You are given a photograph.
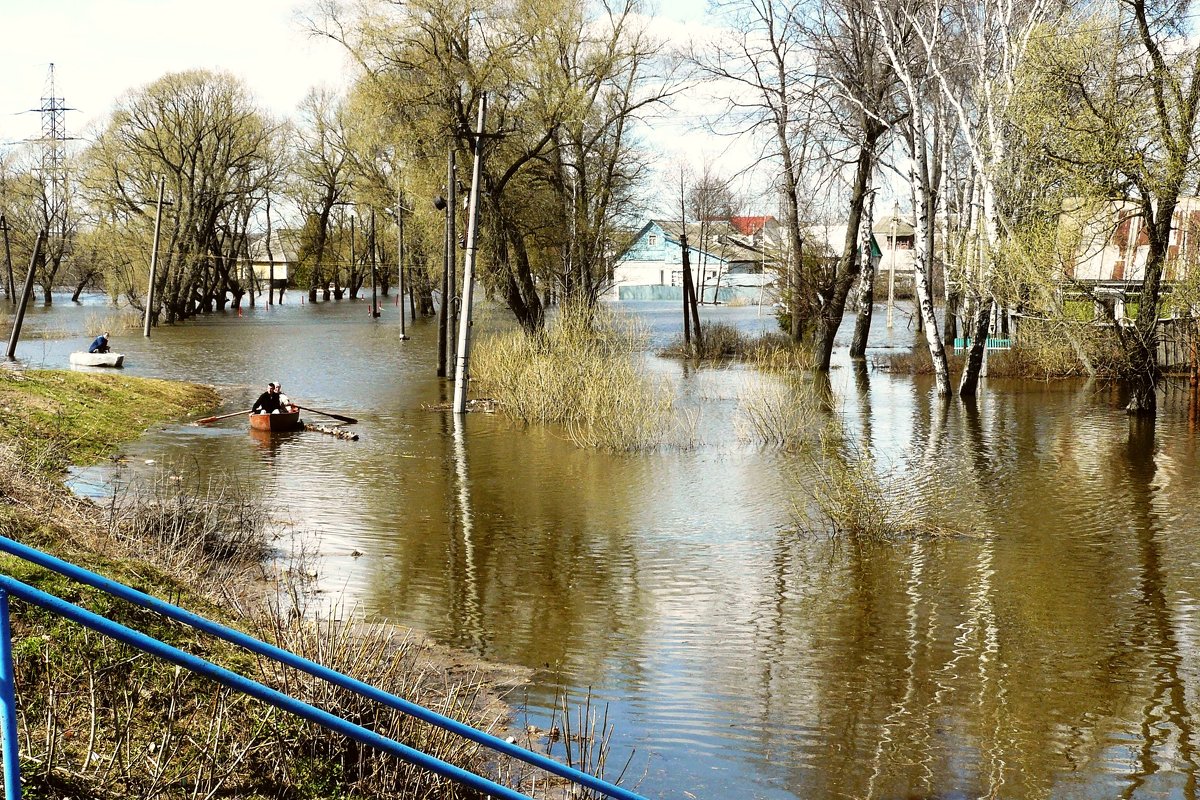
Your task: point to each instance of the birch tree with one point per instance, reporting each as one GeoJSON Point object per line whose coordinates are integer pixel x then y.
{"type": "Point", "coordinates": [984, 42]}
{"type": "Point", "coordinates": [922, 132]}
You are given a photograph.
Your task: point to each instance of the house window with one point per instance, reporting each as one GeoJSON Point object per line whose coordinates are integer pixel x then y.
{"type": "Point", "coordinates": [652, 240]}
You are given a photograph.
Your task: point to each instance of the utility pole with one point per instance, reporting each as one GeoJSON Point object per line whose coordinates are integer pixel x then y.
{"type": "Point", "coordinates": [270, 257]}
{"type": "Point", "coordinates": [374, 288]}
{"type": "Point", "coordinates": [452, 299]}
{"type": "Point", "coordinates": [439, 203]}
{"type": "Point", "coordinates": [12, 289]}
{"type": "Point", "coordinates": [892, 269]}
{"type": "Point", "coordinates": [400, 256]}
{"type": "Point", "coordinates": [20, 318]}
{"type": "Point", "coordinates": [162, 182]}
{"type": "Point", "coordinates": [464, 326]}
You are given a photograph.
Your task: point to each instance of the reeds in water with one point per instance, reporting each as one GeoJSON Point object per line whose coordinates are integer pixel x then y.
{"type": "Point", "coordinates": [583, 371]}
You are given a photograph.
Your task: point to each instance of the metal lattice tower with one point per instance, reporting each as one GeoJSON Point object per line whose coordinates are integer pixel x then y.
{"type": "Point", "coordinates": [53, 165]}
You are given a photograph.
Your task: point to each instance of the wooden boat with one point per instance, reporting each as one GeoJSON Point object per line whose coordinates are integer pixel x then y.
{"type": "Point", "coordinates": [283, 421]}
{"type": "Point", "coordinates": [82, 359]}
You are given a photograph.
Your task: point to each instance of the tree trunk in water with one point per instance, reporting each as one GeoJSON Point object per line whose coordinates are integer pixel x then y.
{"type": "Point", "coordinates": [979, 331]}
{"type": "Point", "coordinates": [689, 290]}
{"type": "Point", "coordinates": [1143, 397]}
{"type": "Point", "coordinates": [866, 284]}
{"type": "Point", "coordinates": [834, 307]}
{"type": "Point", "coordinates": [924, 180]}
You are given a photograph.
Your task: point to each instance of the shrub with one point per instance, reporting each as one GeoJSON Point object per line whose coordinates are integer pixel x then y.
{"type": "Point", "coordinates": [584, 372]}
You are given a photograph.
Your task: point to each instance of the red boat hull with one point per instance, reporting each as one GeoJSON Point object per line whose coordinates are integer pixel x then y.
{"type": "Point", "coordinates": [283, 421]}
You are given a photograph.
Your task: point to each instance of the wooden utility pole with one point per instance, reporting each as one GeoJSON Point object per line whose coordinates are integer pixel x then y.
{"type": "Point", "coordinates": [12, 289]}
{"type": "Point", "coordinates": [162, 184]}
{"type": "Point", "coordinates": [464, 327]}
{"type": "Point", "coordinates": [270, 259]}
{"type": "Point", "coordinates": [374, 288]}
{"type": "Point", "coordinates": [20, 317]}
{"type": "Point", "coordinates": [400, 256]}
{"type": "Point", "coordinates": [444, 311]}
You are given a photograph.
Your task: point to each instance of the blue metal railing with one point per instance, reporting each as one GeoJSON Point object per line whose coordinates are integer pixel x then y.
{"type": "Point", "coordinates": [9, 586]}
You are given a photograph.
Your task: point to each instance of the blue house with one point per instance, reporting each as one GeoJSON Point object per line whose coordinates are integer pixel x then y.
{"type": "Point", "coordinates": [725, 261]}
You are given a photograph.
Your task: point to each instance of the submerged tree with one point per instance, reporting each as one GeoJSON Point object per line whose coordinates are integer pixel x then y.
{"type": "Point", "coordinates": [565, 82]}
{"type": "Point", "coordinates": [202, 132]}
{"type": "Point", "coordinates": [1114, 104]}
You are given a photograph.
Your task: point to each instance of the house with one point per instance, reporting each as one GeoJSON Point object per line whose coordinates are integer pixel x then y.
{"type": "Point", "coordinates": [285, 245]}
{"type": "Point", "coordinates": [1105, 243]}
{"type": "Point", "coordinates": [896, 238]}
{"type": "Point", "coordinates": [728, 259]}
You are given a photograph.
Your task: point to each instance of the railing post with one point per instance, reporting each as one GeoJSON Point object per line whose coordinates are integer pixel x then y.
{"type": "Point", "coordinates": [8, 707]}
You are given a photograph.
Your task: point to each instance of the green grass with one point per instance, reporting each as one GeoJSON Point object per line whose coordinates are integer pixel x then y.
{"type": "Point", "coordinates": [100, 720]}
{"type": "Point", "coordinates": [76, 417]}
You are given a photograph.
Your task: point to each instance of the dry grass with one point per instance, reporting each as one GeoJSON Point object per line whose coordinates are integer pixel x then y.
{"type": "Point", "coordinates": [772, 352]}
{"type": "Point", "coordinates": [846, 492]}
{"type": "Point", "coordinates": [1045, 350]}
{"type": "Point", "coordinates": [212, 533]}
{"type": "Point", "coordinates": [782, 413]}
{"type": "Point", "coordinates": [584, 372]}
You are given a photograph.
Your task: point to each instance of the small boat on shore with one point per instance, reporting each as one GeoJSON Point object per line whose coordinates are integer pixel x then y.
{"type": "Point", "coordinates": [82, 359]}
{"type": "Point", "coordinates": [283, 421]}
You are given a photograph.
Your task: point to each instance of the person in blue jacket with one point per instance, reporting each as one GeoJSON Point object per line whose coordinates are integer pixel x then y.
{"type": "Point", "coordinates": [99, 344]}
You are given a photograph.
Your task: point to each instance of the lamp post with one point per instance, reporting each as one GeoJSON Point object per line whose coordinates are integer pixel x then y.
{"type": "Point", "coordinates": [464, 325]}
{"type": "Point", "coordinates": [892, 268]}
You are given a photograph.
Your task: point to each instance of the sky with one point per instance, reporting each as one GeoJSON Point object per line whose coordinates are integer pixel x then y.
{"type": "Point", "coordinates": [103, 48]}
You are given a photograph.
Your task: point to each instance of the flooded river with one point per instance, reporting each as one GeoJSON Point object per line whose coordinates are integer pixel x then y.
{"type": "Point", "coordinates": [1050, 654]}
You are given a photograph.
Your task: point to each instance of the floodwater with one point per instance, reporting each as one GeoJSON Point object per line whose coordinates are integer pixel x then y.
{"type": "Point", "coordinates": [1051, 653]}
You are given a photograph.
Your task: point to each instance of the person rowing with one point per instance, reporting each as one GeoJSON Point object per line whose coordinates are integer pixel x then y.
{"type": "Point", "coordinates": [268, 401]}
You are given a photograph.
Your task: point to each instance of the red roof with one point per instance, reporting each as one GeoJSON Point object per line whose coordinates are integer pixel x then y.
{"type": "Point", "coordinates": [748, 226]}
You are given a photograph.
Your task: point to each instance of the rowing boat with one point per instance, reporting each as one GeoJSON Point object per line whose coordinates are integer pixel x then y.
{"type": "Point", "coordinates": [82, 359]}
{"type": "Point", "coordinates": [283, 421]}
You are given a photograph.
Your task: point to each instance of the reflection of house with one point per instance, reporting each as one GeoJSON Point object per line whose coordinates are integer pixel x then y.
{"type": "Point", "coordinates": [284, 246]}
{"type": "Point", "coordinates": [1110, 243]}
{"type": "Point", "coordinates": [727, 259]}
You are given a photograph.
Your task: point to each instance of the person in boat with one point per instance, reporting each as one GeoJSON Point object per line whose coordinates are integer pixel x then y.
{"type": "Point", "coordinates": [99, 344]}
{"type": "Point", "coordinates": [267, 402]}
{"type": "Point", "coordinates": [285, 404]}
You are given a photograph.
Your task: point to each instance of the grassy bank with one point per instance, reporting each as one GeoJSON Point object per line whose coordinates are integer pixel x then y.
{"type": "Point", "coordinates": [100, 720]}
{"type": "Point", "coordinates": [74, 417]}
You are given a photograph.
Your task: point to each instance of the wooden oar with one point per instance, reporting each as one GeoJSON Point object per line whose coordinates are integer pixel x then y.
{"type": "Point", "coordinates": [223, 416]}
{"type": "Point", "coordinates": [347, 420]}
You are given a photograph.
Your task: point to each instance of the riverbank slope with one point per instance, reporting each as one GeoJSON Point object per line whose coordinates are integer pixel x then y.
{"type": "Point", "coordinates": [100, 720]}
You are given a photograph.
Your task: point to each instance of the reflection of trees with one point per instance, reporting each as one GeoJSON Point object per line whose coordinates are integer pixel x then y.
{"type": "Point", "coordinates": [1166, 723]}
{"type": "Point", "coordinates": [520, 547]}
{"type": "Point", "coordinates": [1001, 667]}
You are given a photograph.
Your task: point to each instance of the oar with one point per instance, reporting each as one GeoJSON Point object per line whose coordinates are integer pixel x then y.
{"type": "Point", "coordinates": [223, 416]}
{"type": "Point", "coordinates": [347, 420]}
